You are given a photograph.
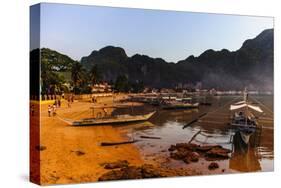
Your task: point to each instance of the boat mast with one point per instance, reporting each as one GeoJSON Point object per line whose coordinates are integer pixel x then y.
{"type": "Point", "coordinates": [246, 102]}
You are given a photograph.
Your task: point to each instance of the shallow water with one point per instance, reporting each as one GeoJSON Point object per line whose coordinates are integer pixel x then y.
{"type": "Point", "coordinates": [257, 155]}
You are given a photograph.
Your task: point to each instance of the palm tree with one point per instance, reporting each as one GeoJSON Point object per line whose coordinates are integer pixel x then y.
{"type": "Point", "coordinates": [77, 75]}
{"type": "Point", "coordinates": [95, 75]}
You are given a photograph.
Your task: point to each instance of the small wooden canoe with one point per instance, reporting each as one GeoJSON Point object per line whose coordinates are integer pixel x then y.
{"type": "Point", "coordinates": [113, 120]}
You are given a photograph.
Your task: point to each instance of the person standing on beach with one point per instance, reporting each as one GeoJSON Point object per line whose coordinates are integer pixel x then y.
{"type": "Point", "coordinates": [49, 110]}
{"type": "Point", "coordinates": [59, 103]}
{"type": "Point", "coordinates": [68, 103]}
{"type": "Point", "coordinates": [54, 110]}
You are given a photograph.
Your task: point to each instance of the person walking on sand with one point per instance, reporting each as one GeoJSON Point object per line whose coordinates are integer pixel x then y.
{"type": "Point", "coordinates": [49, 110]}
{"type": "Point", "coordinates": [54, 110]}
{"type": "Point", "coordinates": [59, 103]}
{"type": "Point", "coordinates": [68, 103]}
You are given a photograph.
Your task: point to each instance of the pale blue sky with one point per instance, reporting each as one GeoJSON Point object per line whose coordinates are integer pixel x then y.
{"type": "Point", "coordinates": [78, 30]}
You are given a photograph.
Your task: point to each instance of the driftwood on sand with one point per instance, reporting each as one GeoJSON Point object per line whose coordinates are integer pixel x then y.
{"type": "Point", "coordinates": [192, 138]}
{"type": "Point", "coordinates": [194, 121]}
{"type": "Point", "coordinates": [150, 137]}
{"type": "Point", "coordinates": [117, 143]}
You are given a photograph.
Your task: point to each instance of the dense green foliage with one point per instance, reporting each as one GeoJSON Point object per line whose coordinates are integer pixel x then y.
{"type": "Point", "coordinates": [52, 64]}
{"type": "Point", "coordinates": [122, 84]}
{"type": "Point", "coordinates": [60, 73]}
{"type": "Point", "coordinates": [95, 75]}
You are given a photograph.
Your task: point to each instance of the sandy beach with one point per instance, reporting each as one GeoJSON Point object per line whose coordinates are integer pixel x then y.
{"type": "Point", "coordinates": [74, 154]}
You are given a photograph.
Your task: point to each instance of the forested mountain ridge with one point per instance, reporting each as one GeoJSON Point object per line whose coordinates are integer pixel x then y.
{"type": "Point", "coordinates": [250, 66]}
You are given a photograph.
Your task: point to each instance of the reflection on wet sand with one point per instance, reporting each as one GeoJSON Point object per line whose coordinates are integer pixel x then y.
{"type": "Point", "coordinates": [244, 157]}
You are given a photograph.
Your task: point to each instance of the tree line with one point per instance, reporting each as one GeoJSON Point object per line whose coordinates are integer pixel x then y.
{"type": "Point", "coordinates": [60, 74]}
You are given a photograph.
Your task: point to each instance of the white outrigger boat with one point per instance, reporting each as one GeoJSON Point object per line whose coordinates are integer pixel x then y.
{"type": "Point", "coordinates": [113, 120]}
{"type": "Point", "coordinates": [243, 118]}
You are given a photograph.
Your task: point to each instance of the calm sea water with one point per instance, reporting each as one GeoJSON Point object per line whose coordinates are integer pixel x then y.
{"type": "Point", "coordinates": [256, 155]}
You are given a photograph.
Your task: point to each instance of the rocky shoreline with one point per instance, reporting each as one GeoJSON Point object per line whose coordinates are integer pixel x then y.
{"type": "Point", "coordinates": [192, 152]}
{"type": "Point", "coordinates": [186, 152]}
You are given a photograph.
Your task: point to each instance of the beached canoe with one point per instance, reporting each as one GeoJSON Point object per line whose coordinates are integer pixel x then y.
{"type": "Point", "coordinates": [113, 120]}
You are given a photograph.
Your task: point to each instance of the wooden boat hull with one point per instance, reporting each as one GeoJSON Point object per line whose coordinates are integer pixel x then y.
{"type": "Point", "coordinates": [118, 120]}
{"type": "Point", "coordinates": [245, 137]}
{"type": "Point", "coordinates": [243, 125]}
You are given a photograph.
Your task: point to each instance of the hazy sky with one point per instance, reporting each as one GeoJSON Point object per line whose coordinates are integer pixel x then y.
{"type": "Point", "coordinates": [78, 30]}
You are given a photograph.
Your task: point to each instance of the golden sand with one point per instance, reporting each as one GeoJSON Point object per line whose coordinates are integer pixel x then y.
{"type": "Point", "coordinates": [73, 154]}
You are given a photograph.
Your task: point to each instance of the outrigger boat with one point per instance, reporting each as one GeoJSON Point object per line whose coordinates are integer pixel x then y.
{"type": "Point", "coordinates": [243, 118]}
{"type": "Point", "coordinates": [113, 120]}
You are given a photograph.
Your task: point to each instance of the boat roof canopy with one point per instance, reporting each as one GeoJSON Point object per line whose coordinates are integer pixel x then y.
{"type": "Point", "coordinates": [240, 102]}
{"type": "Point", "coordinates": [240, 105]}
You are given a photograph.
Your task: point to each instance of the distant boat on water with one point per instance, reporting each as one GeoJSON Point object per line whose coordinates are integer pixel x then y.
{"type": "Point", "coordinates": [171, 103]}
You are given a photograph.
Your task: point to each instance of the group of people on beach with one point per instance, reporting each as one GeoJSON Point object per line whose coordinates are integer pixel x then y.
{"type": "Point", "coordinates": [57, 104]}
{"type": "Point", "coordinates": [53, 108]}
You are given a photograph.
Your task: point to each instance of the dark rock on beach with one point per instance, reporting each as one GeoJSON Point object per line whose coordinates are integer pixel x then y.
{"type": "Point", "coordinates": [188, 152]}
{"type": "Point", "coordinates": [180, 154]}
{"type": "Point", "coordinates": [172, 148]}
{"type": "Point", "coordinates": [132, 172]}
{"type": "Point", "coordinates": [206, 148]}
{"type": "Point", "coordinates": [79, 152]}
{"type": "Point", "coordinates": [117, 164]}
{"type": "Point", "coordinates": [191, 157]}
{"type": "Point", "coordinates": [218, 152]}
{"type": "Point", "coordinates": [213, 166]}
{"type": "Point", "coordinates": [194, 156]}
{"type": "Point", "coordinates": [183, 146]}
{"type": "Point", "coordinates": [148, 171]}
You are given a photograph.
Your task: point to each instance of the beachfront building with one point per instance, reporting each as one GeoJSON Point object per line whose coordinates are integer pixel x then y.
{"type": "Point", "coordinates": [167, 90]}
{"type": "Point", "coordinates": [101, 88]}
